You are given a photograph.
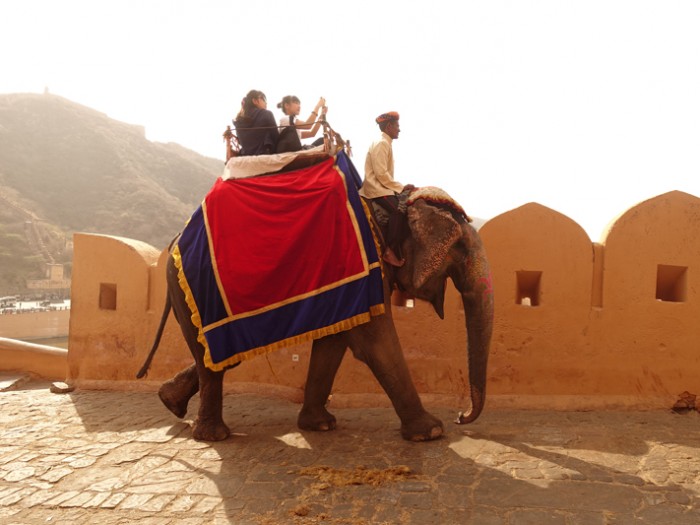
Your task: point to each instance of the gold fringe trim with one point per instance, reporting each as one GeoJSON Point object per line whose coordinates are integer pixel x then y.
{"type": "Point", "coordinates": [338, 327]}
{"type": "Point", "coordinates": [377, 309]}
{"type": "Point", "coordinates": [189, 299]}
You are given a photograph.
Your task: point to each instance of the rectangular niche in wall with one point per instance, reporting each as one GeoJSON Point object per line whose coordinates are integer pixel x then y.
{"type": "Point", "coordinates": [108, 296]}
{"type": "Point", "coordinates": [527, 292]}
{"type": "Point", "coordinates": [671, 283]}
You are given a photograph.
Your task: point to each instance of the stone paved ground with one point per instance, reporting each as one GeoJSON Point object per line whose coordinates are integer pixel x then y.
{"type": "Point", "coordinates": [117, 458]}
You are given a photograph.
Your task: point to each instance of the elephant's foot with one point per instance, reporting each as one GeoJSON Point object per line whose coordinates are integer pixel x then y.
{"type": "Point", "coordinates": [423, 428]}
{"type": "Point", "coordinates": [317, 420]}
{"type": "Point", "coordinates": [210, 430]}
{"type": "Point", "coordinates": [174, 397]}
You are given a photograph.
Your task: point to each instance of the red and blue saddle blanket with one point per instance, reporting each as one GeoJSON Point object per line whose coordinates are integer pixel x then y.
{"type": "Point", "coordinates": [275, 260]}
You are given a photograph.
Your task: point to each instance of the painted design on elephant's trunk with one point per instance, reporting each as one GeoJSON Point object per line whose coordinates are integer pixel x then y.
{"type": "Point", "coordinates": [487, 283]}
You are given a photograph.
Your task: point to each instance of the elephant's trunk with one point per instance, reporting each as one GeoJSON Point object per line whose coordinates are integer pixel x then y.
{"type": "Point", "coordinates": [474, 283]}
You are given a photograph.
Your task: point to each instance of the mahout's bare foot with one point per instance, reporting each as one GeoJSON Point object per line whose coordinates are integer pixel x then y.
{"type": "Point", "coordinates": [390, 257]}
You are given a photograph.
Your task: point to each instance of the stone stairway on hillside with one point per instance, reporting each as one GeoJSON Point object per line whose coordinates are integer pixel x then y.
{"type": "Point", "coordinates": [31, 231]}
{"type": "Point", "coordinates": [37, 242]}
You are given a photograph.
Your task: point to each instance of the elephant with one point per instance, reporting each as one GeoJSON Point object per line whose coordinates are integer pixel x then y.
{"type": "Point", "coordinates": [440, 243]}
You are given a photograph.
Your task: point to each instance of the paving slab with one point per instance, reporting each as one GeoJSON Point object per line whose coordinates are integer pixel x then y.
{"type": "Point", "coordinates": [86, 457]}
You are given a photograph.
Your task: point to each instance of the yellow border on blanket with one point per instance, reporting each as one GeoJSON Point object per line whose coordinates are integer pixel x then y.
{"type": "Point", "coordinates": [189, 299]}
{"type": "Point", "coordinates": [353, 218]}
{"type": "Point", "coordinates": [212, 256]}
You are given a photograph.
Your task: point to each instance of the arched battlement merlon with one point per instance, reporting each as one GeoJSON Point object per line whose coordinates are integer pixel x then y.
{"type": "Point", "coordinates": [652, 254]}
{"type": "Point", "coordinates": [652, 295]}
{"type": "Point", "coordinates": [110, 289]}
{"type": "Point", "coordinates": [540, 258]}
{"type": "Point", "coordinates": [542, 264]}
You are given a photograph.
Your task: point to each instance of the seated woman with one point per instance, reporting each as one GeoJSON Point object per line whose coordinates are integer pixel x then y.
{"type": "Point", "coordinates": [256, 128]}
{"type": "Point", "coordinates": [306, 129]}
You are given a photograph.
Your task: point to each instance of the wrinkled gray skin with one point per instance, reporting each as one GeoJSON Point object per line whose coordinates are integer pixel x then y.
{"type": "Point", "coordinates": [439, 247]}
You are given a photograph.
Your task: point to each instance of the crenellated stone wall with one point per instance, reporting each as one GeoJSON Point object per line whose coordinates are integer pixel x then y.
{"type": "Point", "coordinates": [578, 325]}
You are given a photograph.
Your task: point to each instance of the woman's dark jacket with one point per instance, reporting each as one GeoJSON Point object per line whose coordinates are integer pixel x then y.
{"type": "Point", "coordinates": [257, 132]}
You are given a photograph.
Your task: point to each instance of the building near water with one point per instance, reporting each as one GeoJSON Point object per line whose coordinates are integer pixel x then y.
{"type": "Point", "coordinates": [54, 280]}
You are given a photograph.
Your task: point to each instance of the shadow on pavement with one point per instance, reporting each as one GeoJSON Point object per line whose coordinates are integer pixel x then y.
{"type": "Point", "coordinates": [556, 464]}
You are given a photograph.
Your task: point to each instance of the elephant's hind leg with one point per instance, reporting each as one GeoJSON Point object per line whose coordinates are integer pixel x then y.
{"type": "Point", "coordinates": [209, 425]}
{"type": "Point", "coordinates": [177, 392]}
{"type": "Point", "coordinates": [326, 356]}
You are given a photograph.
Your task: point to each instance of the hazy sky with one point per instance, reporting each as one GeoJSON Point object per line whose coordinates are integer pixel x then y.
{"type": "Point", "coordinates": [587, 107]}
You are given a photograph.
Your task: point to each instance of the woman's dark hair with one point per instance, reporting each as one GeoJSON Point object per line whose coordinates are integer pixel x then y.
{"type": "Point", "coordinates": [247, 103]}
{"type": "Point", "coordinates": [287, 100]}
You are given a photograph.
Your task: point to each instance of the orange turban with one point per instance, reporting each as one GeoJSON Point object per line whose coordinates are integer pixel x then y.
{"type": "Point", "coordinates": [384, 117]}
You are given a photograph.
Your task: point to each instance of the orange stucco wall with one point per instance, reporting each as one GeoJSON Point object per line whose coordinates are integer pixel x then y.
{"type": "Point", "coordinates": [609, 325]}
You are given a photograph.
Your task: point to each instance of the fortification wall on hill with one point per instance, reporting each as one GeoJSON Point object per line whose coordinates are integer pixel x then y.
{"type": "Point", "coordinates": [578, 324]}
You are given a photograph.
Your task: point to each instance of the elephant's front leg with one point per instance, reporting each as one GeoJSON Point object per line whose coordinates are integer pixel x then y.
{"type": "Point", "coordinates": [326, 356]}
{"type": "Point", "coordinates": [377, 344]}
{"type": "Point", "coordinates": [209, 425]}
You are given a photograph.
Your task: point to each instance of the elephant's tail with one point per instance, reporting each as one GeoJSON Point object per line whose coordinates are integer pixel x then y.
{"type": "Point", "coordinates": [159, 334]}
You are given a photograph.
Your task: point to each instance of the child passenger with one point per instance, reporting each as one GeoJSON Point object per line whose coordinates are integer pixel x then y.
{"type": "Point", "coordinates": [291, 106]}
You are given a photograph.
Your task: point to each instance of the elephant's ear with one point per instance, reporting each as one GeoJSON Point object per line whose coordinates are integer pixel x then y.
{"type": "Point", "coordinates": [434, 232]}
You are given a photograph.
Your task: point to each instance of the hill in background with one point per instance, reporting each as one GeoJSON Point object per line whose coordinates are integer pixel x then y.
{"type": "Point", "coordinates": [66, 168]}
